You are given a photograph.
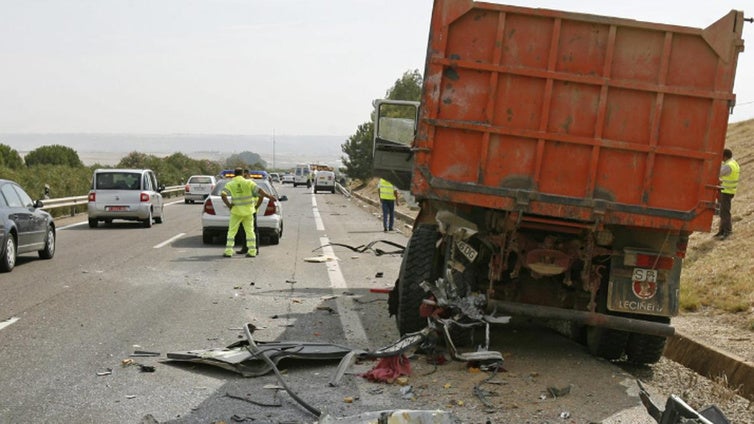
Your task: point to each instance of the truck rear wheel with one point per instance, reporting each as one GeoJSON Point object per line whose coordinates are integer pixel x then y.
{"type": "Point", "coordinates": [418, 265]}
{"type": "Point", "coordinates": [644, 348]}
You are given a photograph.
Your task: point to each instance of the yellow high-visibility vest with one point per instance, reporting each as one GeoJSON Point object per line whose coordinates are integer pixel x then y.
{"type": "Point", "coordinates": [387, 190]}
{"type": "Point", "coordinates": [730, 181]}
{"type": "Point", "coordinates": [242, 192]}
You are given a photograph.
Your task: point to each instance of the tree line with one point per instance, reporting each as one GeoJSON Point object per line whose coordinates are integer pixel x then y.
{"type": "Point", "coordinates": [61, 169]}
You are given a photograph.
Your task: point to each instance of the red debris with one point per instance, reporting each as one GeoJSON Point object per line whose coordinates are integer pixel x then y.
{"type": "Point", "coordinates": [388, 369]}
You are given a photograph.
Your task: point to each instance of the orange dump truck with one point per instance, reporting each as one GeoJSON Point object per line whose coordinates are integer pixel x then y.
{"type": "Point", "coordinates": [560, 161]}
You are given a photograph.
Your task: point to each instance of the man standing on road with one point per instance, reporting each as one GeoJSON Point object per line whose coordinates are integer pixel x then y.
{"type": "Point", "coordinates": [388, 196]}
{"type": "Point", "coordinates": [729, 174]}
{"type": "Point", "coordinates": [242, 237]}
{"type": "Point", "coordinates": [242, 192]}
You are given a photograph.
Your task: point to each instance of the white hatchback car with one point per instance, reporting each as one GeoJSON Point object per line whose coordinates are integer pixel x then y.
{"type": "Point", "coordinates": [198, 187]}
{"type": "Point", "coordinates": [130, 194]}
{"type": "Point", "coordinates": [216, 216]}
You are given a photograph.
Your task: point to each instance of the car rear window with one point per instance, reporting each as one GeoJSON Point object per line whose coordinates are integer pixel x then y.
{"type": "Point", "coordinates": [117, 181]}
{"type": "Point", "coordinates": [200, 180]}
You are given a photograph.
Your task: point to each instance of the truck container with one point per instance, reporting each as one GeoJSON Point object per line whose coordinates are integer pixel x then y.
{"type": "Point", "coordinates": [561, 161]}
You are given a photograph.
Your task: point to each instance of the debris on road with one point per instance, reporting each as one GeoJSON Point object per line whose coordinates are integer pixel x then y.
{"type": "Point", "coordinates": [104, 373]}
{"type": "Point", "coordinates": [370, 247]}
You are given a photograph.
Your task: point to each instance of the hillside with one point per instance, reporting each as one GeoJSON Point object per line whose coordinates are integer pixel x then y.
{"type": "Point", "coordinates": [718, 276]}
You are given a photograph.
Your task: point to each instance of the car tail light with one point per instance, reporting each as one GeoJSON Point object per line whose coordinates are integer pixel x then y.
{"type": "Point", "coordinates": [92, 196]}
{"type": "Point", "coordinates": [209, 208]}
{"type": "Point", "coordinates": [187, 188]}
{"type": "Point", "coordinates": [144, 197]}
{"type": "Point", "coordinates": [647, 260]}
{"type": "Point", "coordinates": [271, 209]}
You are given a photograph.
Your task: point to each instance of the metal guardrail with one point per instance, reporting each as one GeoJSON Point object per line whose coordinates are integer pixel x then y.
{"type": "Point", "coordinates": [76, 202]}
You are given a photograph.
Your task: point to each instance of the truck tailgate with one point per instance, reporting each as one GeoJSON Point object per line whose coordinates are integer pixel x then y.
{"type": "Point", "coordinates": [575, 116]}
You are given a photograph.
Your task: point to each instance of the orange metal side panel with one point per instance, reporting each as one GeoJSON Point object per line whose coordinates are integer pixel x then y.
{"type": "Point", "coordinates": [556, 114]}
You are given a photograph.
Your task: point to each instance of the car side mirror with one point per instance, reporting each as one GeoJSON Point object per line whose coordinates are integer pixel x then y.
{"type": "Point", "coordinates": [38, 204]}
{"type": "Point", "coordinates": [283, 198]}
{"type": "Point", "coordinates": [161, 188]}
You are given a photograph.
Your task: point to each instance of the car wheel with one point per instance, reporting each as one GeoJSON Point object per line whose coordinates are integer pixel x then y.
{"type": "Point", "coordinates": [207, 237]}
{"type": "Point", "coordinates": [275, 238]}
{"type": "Point", "coordinates": [147, 223]}
{"type": "Point", "coordinates": [49, 250]}
{"type": "Point", "coordinates": [186, 201]}
{"type": "Point", "coordinates": [92, 223]}
{"type": "Point", "coordinates": [160, 219]}
{"type": "Point", "coordinates": [8, 260]}
{"type": "Point", "coordinates": [332, 190]}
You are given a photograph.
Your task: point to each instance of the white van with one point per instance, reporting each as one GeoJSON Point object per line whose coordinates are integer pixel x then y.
{"type": "Point", "coordinates": [303, 175]}
{"type": "Point", "coordinates": [324, 180]}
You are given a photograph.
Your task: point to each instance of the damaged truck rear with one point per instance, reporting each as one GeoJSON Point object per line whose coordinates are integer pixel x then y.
{"type": "Point", "coordinates": [560, 161]}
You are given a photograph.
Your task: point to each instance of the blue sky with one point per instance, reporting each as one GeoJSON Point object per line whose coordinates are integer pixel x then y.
{"type": "Point", "coordinates": [243, 66]}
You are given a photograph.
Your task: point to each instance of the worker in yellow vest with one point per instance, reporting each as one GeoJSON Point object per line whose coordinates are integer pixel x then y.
{"type": "Point", "coordinates": [729, 175]}
{"type": "Point", "coordinates": [388, 196]}
{"type": "Point", "coordinates": [242, 194]}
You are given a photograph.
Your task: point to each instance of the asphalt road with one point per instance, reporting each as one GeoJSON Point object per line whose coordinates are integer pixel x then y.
{"type": "Point", "coordinates": [111, 291]}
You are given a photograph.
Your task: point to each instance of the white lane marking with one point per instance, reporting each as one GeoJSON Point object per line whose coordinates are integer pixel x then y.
{"type": "Point", "coordinates": [349, 318]}
{"type": "Point", "coordinates": [72, 225]}
{"type": "Point", "coordinates": [8, 322]}
{"type": "Point", "coordinates": [317, 217]}
{"type": "Point", "coordinates": [173, 203]}
{"type": "Point", "coordinates": [170, 240]}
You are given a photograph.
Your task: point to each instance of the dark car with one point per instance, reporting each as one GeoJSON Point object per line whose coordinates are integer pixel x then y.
{"type": "Point", "coordinates": [24, 227]}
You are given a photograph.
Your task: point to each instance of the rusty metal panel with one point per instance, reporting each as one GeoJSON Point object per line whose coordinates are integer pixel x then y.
{"type": "Point", "coordinates": [572, 109]}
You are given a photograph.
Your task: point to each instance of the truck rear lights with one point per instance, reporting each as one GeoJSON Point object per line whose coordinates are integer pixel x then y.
{"type": "Point", "coordinates": [209, 209]}
{"type": "Point", "coordinates": [647, 260]}
{"type": "Point", "coordinates": [144, 197]}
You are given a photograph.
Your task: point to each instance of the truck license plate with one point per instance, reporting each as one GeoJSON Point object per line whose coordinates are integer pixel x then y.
{"type": "Point", "coordinates": [648, 275]}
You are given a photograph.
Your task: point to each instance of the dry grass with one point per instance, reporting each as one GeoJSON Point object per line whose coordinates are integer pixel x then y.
{"type": "Point", "coordinates": [719, 275]}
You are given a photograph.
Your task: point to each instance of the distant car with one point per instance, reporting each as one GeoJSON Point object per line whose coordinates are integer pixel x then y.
{"type": "Point", "coordinates": [324, 180]}
{"type": "Point", "coordinates": [275, 177]}
{"type": "Point", "coordinates": [24, 227]}
{"type": "Point", "coordinates": [216, 215]}
{"type": "Point", "coordinates": [198, 187]}
{"type": "Point", "coordinates": [130, 194]}
{"type": "Point", "coordinates": [287, 179]}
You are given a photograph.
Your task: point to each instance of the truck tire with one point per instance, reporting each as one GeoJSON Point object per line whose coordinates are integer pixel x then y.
{"type": "Point", "coordinates": [418, 264]}
{"type": "Point", "coordinates": [644, 348]}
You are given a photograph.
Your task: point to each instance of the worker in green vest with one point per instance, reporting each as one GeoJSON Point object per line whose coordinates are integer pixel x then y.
{"type": "Point", "coordinates": [241, 235]}
{"type": "Point", "coordinates": [388, 196]}
{"type": "Point", "coordinates": [242, 194]}
{"type": "Point", "coordinates": [729, 175]}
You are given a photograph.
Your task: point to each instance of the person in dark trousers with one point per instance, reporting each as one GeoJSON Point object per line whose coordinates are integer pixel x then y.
{"type": "Point", "coordinates": [388, 197]}
{"type": "Point", "coordinates": [729, 175]}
